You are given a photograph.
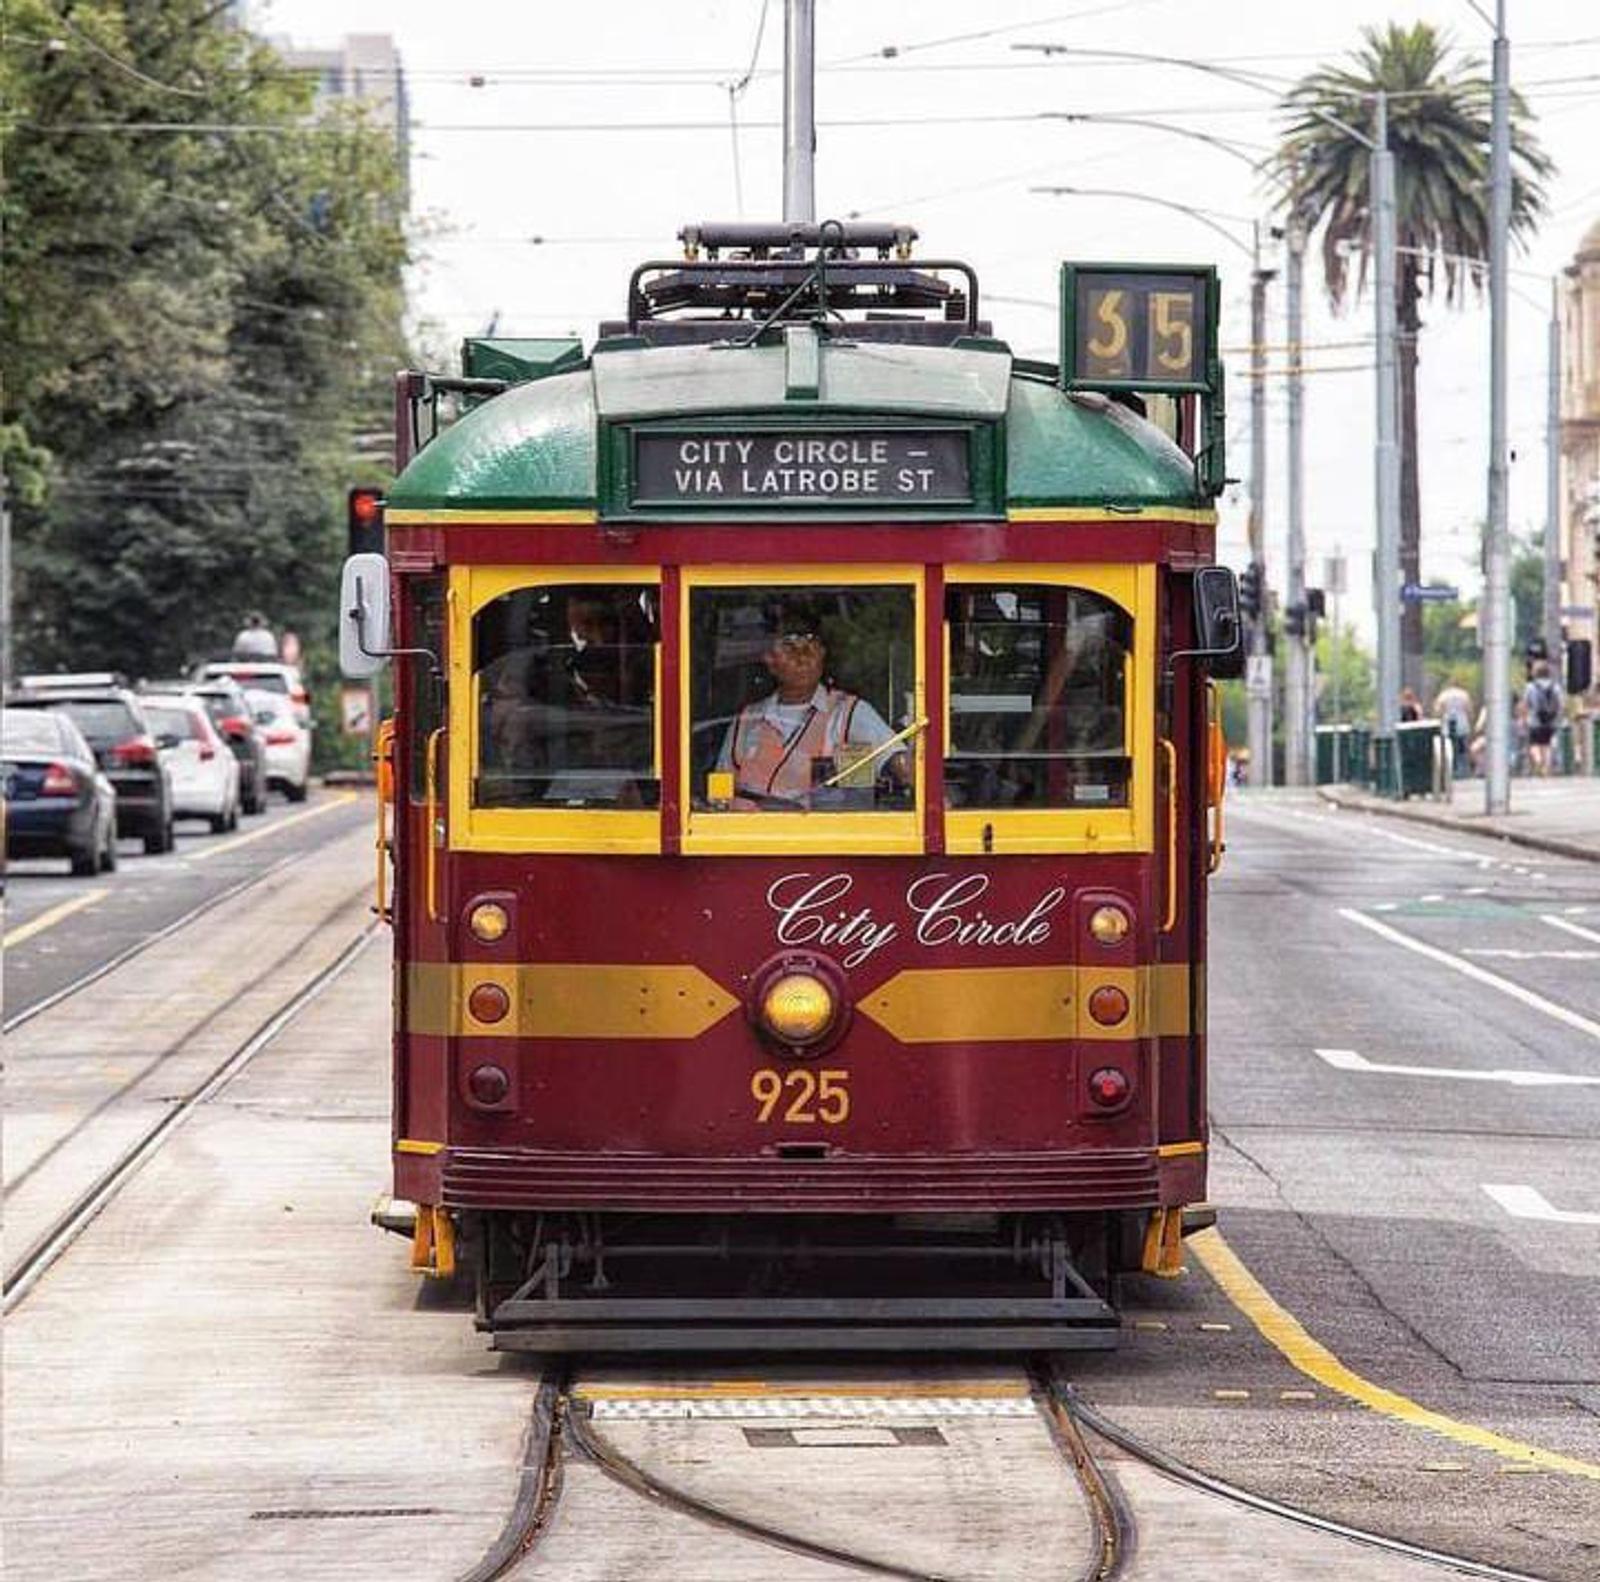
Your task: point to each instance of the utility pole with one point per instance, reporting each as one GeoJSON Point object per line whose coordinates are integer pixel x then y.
{"type": "Point", "coordinates": [1259, 714]}
{"type": "Point", "coordinates": [1298, 734]}
{"type": "Point", "coordinates": [799, 110]}
{"type": "Point", "coordinates": [1386, 593]}
{"type": "Point", "coordinates": [1552, 481]}
{"type": "Point", "coordinates": [1494, 615]}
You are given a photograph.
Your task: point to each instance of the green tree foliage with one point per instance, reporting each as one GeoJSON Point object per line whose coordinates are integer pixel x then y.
{"type": "Point", "coordinates": [1438, 120]}
{"type": "Point", "coordinates": [1346, 686]}
{"type": "Point", "coordinates": [198, 320]}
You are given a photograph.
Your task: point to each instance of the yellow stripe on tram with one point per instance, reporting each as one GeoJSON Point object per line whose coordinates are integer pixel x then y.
{"type": "Point", "coordinates": [1285, 1332]}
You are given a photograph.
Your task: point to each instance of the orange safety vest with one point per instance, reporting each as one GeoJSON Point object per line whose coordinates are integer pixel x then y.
{"type": "Point", "coordinates": [779, 764]}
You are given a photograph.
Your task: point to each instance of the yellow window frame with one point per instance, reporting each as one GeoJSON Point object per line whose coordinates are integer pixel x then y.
{"type": "Point", "coordinates": [775, 834]}
{"type": "Point", "coordinates": [615, 830]}
{"type": "Point", "coordinates": [999, 831]}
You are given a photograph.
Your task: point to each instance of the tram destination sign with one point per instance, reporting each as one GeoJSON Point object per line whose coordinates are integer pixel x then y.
{"type": "Point", "coordinates": [904, 467]}
{"type": "Point", "coordinates": [1139, 327]}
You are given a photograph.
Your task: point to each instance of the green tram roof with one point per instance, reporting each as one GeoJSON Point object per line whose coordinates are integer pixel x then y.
{"type": "Point", "coordinates": [535, 446]}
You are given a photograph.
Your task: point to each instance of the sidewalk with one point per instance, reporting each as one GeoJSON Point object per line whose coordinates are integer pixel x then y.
{"type": "Point", "coordinates": [1560, 816]}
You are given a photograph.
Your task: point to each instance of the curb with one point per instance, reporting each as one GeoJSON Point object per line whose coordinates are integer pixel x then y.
{"type": "Point", "coordinates": [1409, 815]}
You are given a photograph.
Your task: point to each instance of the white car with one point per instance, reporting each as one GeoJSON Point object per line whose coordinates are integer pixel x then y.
{"type": "Point", "coordinates": [264, 675]}
{"type": "Point", "coordinates": [204, 771]}
{"type": "Point", "coordinates": [287, 740]}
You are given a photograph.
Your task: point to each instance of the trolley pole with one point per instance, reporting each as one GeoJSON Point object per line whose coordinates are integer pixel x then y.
{"type": "Point", "coordinates": [1494, 618]}
{"type": "Point", "coordinates": [799, 110]}
{"type": "Point", "coordinates": [1259, 716]}
{"type": "Point", "coordinates": [1386, 592]}
{"type": "Point", "coordinates": [1552, 481]}
{"type": "Point", "coordinates": [1298, 733]}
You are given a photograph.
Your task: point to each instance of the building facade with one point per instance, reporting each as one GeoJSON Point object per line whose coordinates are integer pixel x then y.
{"type": "Point", "coordinates": [1580, 440]}
{"type": "Point", "coordinates": [365, 69]}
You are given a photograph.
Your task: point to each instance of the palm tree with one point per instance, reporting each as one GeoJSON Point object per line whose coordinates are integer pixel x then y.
{"type": "Point", "coordinates": [1439, 118]}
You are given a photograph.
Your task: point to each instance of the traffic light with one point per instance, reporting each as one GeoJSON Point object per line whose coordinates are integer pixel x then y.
{"type": "Point", "coordinates": [364, 520]}
{"type": "Point", "coordinates": [1580, 665]}
{"type": "Point", "coordinates": [1250, 591]}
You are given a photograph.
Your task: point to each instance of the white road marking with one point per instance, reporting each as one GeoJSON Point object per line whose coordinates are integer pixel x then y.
{"type": "Point", "coordinates": [1429, 899]}
{"type": "Point", "coordinates": [1526, 1202]}
{"type": "Point", "coordinates": [1469, 969]}
{"type": "Point", "coordinates": [1569, 928]}
{"type": "Point", "coordinates": [1476, 889]}
{"type": "Point", "coordinates": [1353, 1060]}
{"type": "Point", "coordinates": [1535, 955]}
{"type": "Point", "coordinates": [1386, 906]}
{"type": "Point", "coordinates": [1574, 911]}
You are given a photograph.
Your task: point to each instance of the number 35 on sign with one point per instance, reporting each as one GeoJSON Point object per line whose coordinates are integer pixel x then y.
{"type": "Point", "coordinates": [1138, 327]}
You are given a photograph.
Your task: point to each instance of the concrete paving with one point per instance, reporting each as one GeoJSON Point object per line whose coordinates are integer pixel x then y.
{"type": "Point", "coordinates": [232, 1375]}
{"type": "Point", "coordinates": [87, 1077]}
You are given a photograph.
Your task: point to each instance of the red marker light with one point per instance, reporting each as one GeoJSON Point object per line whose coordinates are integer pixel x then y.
{"type": "Point", "coordinates": [488, 1002]}
{"type": "Point", "coordinates": [1108, 1087]}
{"type": "Point", "coordinates": [1108, 1005]}
{"type": "Point", "coordinates": [489, 1085]}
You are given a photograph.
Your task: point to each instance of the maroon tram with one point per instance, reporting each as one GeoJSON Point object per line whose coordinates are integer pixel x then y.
{"type": "Point", "coordinates": [804, 785]}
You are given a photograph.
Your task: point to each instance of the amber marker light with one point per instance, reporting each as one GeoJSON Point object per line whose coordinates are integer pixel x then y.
{"type": "Point", "coordinates": [1109, 924]}
{"type": "Point", "coordinates": [488, 1002]}
{"type": "Point", "coordinates": [1108, 1005]}
{"type": "Point", "coordinates": [489, 922]}
{"type": "Point", "coordinates": [797, 1008]}
{"type": "Point", "coordinates": [1108, 1087]}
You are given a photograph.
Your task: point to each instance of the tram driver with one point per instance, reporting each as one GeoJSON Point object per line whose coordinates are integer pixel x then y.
{"type": "Point", "coordinates": [809, 742]}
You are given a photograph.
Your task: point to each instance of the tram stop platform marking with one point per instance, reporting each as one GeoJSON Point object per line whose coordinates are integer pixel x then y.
{"type": "Point", "coordinates": [1282, 1330]}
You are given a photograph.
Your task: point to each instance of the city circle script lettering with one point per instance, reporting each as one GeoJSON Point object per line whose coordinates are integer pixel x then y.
{"type": "Point", "coordinates": [818, 467]}
{"type": "Point", "coordinates": [940, 909]}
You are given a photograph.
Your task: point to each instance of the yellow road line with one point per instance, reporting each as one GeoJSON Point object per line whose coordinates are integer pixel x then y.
{"type": "Point", "coordinates": [339, 799]}
{"type": "Point", "coordinates": [761, 1389]}
{"type": "Point", "coordinates": [49, 919]}
{"type": "Point", "coordinates": [1282, 1330]}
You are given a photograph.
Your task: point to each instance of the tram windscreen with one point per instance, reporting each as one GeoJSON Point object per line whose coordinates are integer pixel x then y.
{"type": "Point", "coordinates": [797, 696]}
{"type": "Point", "coordinates": [1038, 697]}
{"type": "Point", "coordinates": [566, 687]}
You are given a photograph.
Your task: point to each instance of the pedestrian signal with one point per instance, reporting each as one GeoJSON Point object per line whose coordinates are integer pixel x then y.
{"type": "Point", "coordinates": [364, 520]}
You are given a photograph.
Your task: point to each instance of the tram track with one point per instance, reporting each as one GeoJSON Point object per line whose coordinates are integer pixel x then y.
{"type": "Point", "coordinates": [138, 947]}
{"type": "Point", "coordinates": [65, 1227]}
{"type": "Point", "coordinates": [562, 1433]}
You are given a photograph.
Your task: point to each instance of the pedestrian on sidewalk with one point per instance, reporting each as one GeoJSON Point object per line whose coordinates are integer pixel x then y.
{"type": "Point", "coordinates": [1410, 706]}
{"type": "Point", "coordinates": [1454, 709]}
{"type": "Point", "coordinates": [1544, 703]}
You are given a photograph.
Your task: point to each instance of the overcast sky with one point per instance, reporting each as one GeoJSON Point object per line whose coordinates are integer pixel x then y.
{"type": "Point", "coordinates": [602, 128]}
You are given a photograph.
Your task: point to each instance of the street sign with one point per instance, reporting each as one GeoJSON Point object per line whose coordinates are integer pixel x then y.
{"type": "Point", "coordinates": [1258, 675]}
{"type": "Point", "coordinates": [1577, 612]}
{"type": "Point", "coordinates": [1333, 574]}
{"type": "Point", "coordinates": [355, 710]}
{"type": "Point", "coordinates": [1416, 593]}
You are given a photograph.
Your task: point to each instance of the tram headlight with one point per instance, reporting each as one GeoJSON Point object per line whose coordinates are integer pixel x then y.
{"type": "Point", "coordinates": [489, 922]}
{"type": "Point", "coordinates": [798, 1008]}
{"type": "Point", "coordinates": [1109, 924]}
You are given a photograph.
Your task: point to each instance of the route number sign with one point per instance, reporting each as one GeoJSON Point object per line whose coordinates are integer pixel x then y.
{"type": "Point", "coordinates": [1138, 327]}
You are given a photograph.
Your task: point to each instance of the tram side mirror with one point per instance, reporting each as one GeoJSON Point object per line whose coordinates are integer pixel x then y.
{"type": "Point", "coordinates": [1219, 631]}
{"type": "Point", "coordinates": [364, 616]}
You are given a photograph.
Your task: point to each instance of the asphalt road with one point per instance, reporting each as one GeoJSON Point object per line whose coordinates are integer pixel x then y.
{"type": "Point", "coordinates": [1405, 1102]}
{"type": "Point", "coordinates": [57, 928]}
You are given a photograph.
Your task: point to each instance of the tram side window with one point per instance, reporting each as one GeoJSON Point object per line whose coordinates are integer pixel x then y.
{"type": "Point", "coordinates": [425, 711]}
{"type": "Point", "coordinates": [566, 684]}
{"type": "Point", "coordinates": [1038, 700]}
{"type": "Point", "coordinates": [797, 694]}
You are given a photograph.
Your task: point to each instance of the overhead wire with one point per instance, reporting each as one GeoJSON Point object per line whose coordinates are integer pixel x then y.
{"type": "Point", "coordinates": [125, 66]}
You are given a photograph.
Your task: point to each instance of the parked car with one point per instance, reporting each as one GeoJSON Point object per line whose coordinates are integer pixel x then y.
{"type": "Point", "coordinates": [205, 775]}
{"type": "Point", "coordinates": [230, 712]}
{"type": "Point", "coordinates": [112, 720]}
{"type": "Point", "coordinates": [261, 676]}
{"type": "Point", "coordinates": [58, 801]}
{"type": "Point", "coordinates": [288, 743]}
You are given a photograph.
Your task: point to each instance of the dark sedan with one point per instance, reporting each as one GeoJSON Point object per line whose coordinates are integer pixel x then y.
{"type": "Point", "coordinates": [58, 802]}
{"type": "Point", "coordinates": [112, 720]}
